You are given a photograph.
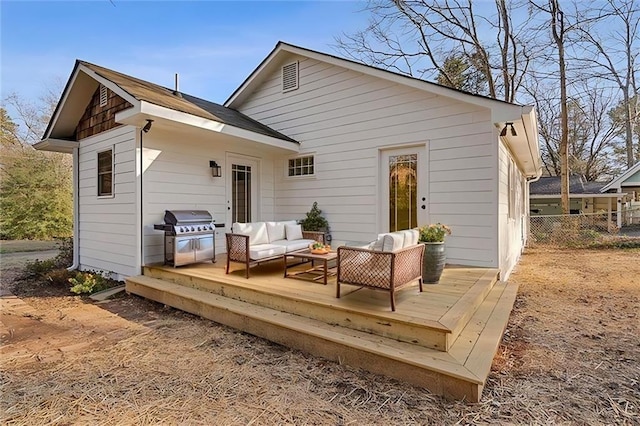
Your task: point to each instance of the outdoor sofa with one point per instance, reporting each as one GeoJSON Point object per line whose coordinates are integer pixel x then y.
{"type": "Point", "coordinates": [390, 263]}
{"type": "Point", "coordinates": [257, 242]}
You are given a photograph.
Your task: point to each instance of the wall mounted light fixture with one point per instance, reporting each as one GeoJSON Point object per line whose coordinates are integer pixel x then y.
{"type": "Point", "coordinates": [504, 129]}
{"type": "Point", "coordinates": [216, 170]}
{"type": "Point", "coordinates": [147, 126]}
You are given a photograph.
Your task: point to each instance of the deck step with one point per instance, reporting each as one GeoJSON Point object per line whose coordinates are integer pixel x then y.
{"type": "Point", "coordinates": [430, 334]}
{"type": "Point", "coordinates": [458, 374]}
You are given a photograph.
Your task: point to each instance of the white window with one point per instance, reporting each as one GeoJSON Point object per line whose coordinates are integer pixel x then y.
{"type": "Point", "coordinates": [290, 77]}
{"type": "Point", "coordinates": [301, 166]}
{"type": "Point", "coordinates": [103, 95]}
{"type": "Point", "coordinates": [105, 173]}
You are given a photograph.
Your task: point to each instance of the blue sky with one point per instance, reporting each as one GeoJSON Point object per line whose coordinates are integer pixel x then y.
{"type": "Point", "coordinates": [213, 45]}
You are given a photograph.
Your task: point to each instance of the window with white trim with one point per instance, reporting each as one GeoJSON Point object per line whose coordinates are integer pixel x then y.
{"type": "Point", "coordinates": [105, 173]}
{"type": "Point", "coordinates": [290, 77]}
{"type": "Point", "coordinates": [301, 166]}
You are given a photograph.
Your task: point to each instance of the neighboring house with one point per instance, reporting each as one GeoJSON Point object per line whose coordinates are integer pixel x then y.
{"type": "Point", "coordinates": [377, 150]}
{"type": "Point", "coordinates": [627, 183]}
{"type": "Point", "coordinates": [584, 196]}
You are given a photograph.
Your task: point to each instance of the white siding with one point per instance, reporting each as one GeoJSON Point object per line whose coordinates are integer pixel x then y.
{"type": "Point", "coordinates": [344, 118]}
{"type": "Point", "coordinates": [177, 177]}
{"type": "Point", "coordinates": [107, 231]}
{"type": "Point", "coordinates": [513, 229]}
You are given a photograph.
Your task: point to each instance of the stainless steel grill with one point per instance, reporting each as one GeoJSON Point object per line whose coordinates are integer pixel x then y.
{"type": "Point", "coordinates": [188, 237]}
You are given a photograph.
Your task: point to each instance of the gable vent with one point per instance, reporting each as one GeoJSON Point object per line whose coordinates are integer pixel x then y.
{"type": "Point", "coordinates": [290, 77]}
{"type": "Point", "coordinates": [103, 95]}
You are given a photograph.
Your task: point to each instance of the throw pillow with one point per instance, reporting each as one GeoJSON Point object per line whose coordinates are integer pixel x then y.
{"type": "Point", "coordinates": [293, 232]}
{"type": "Point", "coordinates": [276, 231]}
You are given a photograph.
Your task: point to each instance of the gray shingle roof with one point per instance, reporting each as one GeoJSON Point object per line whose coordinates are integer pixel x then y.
{"type": "Point", "coordinates": [550, 185]}
{"type": "Point", "coordinates": [145, 91]}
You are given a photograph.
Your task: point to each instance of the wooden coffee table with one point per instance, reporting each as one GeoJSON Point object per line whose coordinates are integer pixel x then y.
{"type": "Point", "coordinates": [316, 272]}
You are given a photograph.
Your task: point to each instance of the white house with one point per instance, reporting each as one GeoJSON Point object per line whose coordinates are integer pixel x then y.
{"type": "Point", "coordinates": [628, 183]}
{"type": "Point", "coordinates": [377, 150]}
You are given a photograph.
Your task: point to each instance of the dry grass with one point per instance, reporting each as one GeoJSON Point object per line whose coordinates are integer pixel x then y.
{"type": "Point", "coordinates": [570, 355]}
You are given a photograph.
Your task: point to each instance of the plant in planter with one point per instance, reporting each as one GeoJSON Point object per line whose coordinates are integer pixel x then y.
{"type": "Point", "coordinates": [434, 252]}
{"type": "Point", "coordinates": [314, 220]}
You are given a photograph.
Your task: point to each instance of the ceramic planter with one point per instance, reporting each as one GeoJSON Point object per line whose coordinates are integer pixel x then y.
{"type": "Point", "coordinates": [433, 264]}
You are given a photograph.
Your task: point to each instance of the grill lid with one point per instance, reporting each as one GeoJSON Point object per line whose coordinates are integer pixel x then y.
{"type": "Point", "coordinates": [184, 217]}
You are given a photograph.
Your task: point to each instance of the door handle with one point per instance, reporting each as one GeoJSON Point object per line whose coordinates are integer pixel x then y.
{"type": "Point", "coordinates": [423, 207]}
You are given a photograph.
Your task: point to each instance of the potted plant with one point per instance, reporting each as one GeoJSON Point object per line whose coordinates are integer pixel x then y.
{"type": "Point", "coordinates": [434, 251]}
{"type": "Point", "coordinates": [314, 220]}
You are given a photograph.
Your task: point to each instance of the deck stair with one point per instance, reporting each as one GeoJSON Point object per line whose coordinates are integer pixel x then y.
{"type": "Point", "coordinates": [400, 346]}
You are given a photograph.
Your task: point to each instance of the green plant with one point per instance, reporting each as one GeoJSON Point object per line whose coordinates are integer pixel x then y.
{"type": "Point", "coordinates": [88, 282]}
{"type": "Point", "coordinates": [317, 246]}
{"type": "Point", "coordinates": [434, 233]}
{"type": "Point", "coordinates": [38, 268]}
{"type": "Point", "coordinates": [314, 220]}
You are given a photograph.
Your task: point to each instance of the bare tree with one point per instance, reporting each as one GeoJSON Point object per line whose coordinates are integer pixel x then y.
{"type": "Point", "coordinates": [416, 37]}
{"type": "Point", "coordinates": [615, 59]}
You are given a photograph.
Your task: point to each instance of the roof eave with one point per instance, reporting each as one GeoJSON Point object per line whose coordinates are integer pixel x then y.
{"type": "Point", "coordinates": [146, 110]}
{"type": "Point", "coordinates": [617, 181]}
{"type": "Point", "coordinates": [56, 145]}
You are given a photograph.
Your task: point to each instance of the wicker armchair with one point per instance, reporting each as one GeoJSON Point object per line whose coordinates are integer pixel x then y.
{"type": "Point", "coordinates": [380, 270]}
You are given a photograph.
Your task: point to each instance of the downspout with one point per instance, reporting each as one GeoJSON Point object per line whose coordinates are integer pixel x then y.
{"type": "Point", "coordinates": [141, 165]}
{"type": "Point", "coordinates": [143, 130]}
{"type": "Point", "coordinates": [76, 215]}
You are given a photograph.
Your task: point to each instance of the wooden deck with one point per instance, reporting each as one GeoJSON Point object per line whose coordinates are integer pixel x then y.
{"type": "Point", "coordinates": [443, 339]}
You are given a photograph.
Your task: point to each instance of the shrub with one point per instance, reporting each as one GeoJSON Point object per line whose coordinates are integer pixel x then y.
{"type": "Point", "coordinates": [38, 268]}
{"type": "Point", "coordinates": [65, 255]}
{"type": "Point", "coordinates": [314, 220]}
{"type": "Point", "coordinates": [88, 282]}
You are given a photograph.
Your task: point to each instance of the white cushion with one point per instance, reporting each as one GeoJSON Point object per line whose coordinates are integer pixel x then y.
{"type": "Point", "coordinates": [261, 251]}
{"type": "Point", "coordinates": [378, 244]}
{"type": "Point", "coordinates": [257, 232]}
{"type": "Point", "coordinates": [288, 222]}
{"type": "Point", "coordinates": [410, 237]}
{"type": "Point", "coordinates": [393, 241]}
{"type": "Point", "coordinates": [275, 230]}
{"type": "Point", "coordinates": [294, 232]}
{"type": "Point", "coordinates": [294, 245]}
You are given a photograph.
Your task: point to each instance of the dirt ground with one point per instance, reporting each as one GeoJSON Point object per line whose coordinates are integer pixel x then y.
{"type": "Point", "coordinates": [571, 355]}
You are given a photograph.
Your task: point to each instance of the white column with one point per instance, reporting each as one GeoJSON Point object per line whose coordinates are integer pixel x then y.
{"type": "Point", "coordinates": [609, 214]}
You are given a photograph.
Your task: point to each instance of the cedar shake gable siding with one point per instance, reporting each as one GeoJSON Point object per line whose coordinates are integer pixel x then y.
{"type": "Point", "coordinates": [97, 119]}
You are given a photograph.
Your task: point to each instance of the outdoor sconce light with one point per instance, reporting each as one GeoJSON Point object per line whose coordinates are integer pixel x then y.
{"type": "Point", "coordinates": [147, 126]}
{"type": "Point", "coordinates": [216, 170]}
{"type": "Point", "coordinates": [504, 129]}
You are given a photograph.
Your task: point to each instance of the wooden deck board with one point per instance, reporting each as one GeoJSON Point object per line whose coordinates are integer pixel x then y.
{"type": "Point", "coordinates": [458, 373]}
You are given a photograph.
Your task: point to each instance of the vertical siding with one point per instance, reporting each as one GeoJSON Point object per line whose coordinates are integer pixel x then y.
{"type": "Point", "coordinates": [345, 118]}
{"type": "Point", "coordinates": [107, 228]}
{"type": "Point", "coordinates": [177, 177]}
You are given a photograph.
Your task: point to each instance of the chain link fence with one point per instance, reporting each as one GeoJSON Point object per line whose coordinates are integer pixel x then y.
{"type": "Point", "coordinates": [579, 230]}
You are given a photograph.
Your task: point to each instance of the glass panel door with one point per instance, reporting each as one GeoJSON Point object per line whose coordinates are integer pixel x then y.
{"type": "Point", "coordinates": [241, 193]}
{"type": "Point", "coordinates": [242, 178]}
{"type": "Point", "coordinates": [403, 186]}
{"type": "Point", "coordinates": [403, 189]}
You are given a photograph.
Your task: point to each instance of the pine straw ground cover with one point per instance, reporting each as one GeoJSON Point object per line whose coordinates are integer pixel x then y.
{"type": "Point", "coordinates": [571, 354]}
